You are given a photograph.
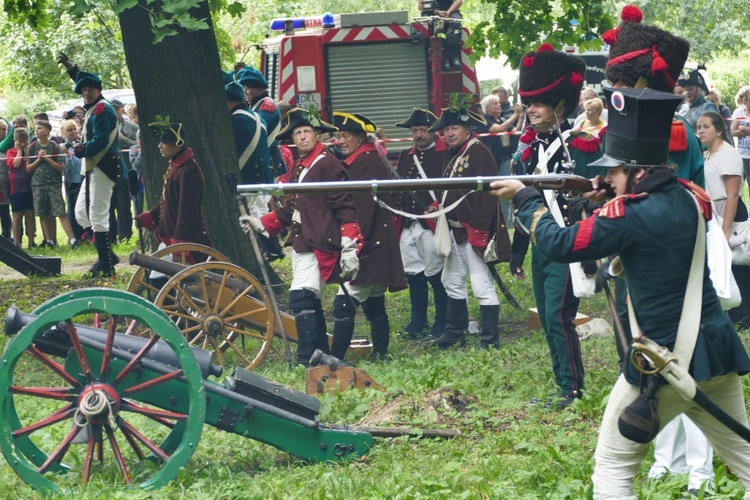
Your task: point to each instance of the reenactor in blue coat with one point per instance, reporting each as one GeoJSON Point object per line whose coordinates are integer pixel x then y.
{"type": "Point", "coordinates": [102, 165]}
{"type": "Point", "coordinates": [653, 224]}
{"type": "Point", "coordinates": [549, 85]}
{"type": "Point", "coordinates": [256, 91]}
{"type": "Point", "coordinates": [250, 138]}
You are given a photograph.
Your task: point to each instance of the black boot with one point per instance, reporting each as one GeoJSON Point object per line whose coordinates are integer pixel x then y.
{"type": "Point", "coordinates": [322, 339]}
{"type": "Point", "coordinates": [457, 321]}
{"type": "Point", "coordinates": [380, 328]}
{"type": "Point", "coordinates": [307, 334]}
{"type": "Point", "coordinates": [105, 266]}
{"type": "Point", "coordinates": [418, 296]}
{"type": "Point", "coordinates": [344, 310]}
{"type": "Point", "coordinates": [489, 335]}
{"type": "Point", "coordinates": [440, 300]}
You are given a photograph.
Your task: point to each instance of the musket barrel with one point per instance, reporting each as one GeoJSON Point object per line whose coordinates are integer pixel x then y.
{"type": "Point", "coordinates": [552, 181]}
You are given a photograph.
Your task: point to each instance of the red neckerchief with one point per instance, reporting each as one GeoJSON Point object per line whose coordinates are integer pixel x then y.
{"type": "Point", "coordinates": [181, 157]}
{"type": "Point", "coordinates": [308, 160]}
{"type": "Point", "coordinates": [364, 148]}
{"type": "Point", "coordinates": [439, 146]}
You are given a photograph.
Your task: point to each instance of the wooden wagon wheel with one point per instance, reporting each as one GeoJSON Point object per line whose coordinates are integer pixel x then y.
{"type": "Point", "coordinates": [59, 388]}
{"type": "Point", "coordinates": [220, 306]}
{"type": "Point", "coordinates": [140, 284]}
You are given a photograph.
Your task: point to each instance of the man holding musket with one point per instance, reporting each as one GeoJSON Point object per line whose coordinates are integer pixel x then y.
{"type": "Point", "coordinates": [656, 225]}
{"type": "Point", "coordinates": [324, 230]}
{"type": "Point", "coordinates": [427, 158]}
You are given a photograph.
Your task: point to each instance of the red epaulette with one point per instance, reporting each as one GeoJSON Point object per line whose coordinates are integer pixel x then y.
{"type": "Point", "coordinates": [267, 105]}
{"type": "Point", "coordinates": [99, 109]}
{"type": "Point", "coordinates": [678, 136]}
{"type": "Point", "coordinates": [704, 200]}
{"type": "Point", "coordinates": [584, 142]}
{"type": "Point", "coordinates": [615, 208]}
{"type": "Point", "coordinates": [528, 136]}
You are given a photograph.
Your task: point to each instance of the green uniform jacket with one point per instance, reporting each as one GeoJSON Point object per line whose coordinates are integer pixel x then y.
{"type": "Point", "coordinates": [654, 232]}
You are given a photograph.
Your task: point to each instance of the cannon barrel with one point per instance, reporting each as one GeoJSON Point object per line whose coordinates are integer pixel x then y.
{"type": "Point", "coordinates": [171, 268]}
{"type": "Point", "coordinates": [55, 340]}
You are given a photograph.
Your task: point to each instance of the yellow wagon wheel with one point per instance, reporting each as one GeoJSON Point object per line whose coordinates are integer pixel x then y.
{"type": "Point", "coordinates": [221, 307]}
{"type": "Point", "coordinates": [141, 284]}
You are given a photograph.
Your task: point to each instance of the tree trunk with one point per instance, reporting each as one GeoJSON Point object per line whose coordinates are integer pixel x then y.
{"type": "Point", "coordinates": [180, 77]}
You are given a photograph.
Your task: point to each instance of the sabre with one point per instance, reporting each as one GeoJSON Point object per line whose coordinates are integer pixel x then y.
{"type": "Point", "coordinates": [664, 363]}
{"type": "Point", "coordinates": [568, 182]}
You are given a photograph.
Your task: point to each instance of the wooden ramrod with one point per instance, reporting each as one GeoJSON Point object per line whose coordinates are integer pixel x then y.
{"type": "Point", "coordinates": [569, 182]}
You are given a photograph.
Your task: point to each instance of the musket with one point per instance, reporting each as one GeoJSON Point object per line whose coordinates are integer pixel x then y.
{"type": "Point", "coordinates": [568, 182]}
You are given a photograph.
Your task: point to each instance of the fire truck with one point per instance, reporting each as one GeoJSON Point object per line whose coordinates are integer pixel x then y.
{"type": "Point", "coordinates": [378, 64]}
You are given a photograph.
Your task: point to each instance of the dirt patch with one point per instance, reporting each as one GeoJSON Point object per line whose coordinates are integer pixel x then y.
{"type": "Point", "coordinates": [438, 406]}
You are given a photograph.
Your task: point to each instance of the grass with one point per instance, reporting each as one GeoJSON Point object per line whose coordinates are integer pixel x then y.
{"type": "Point", "coordinates": [508, 448]}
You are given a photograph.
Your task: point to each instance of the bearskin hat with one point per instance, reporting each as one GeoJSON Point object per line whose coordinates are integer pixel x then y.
{"type": "Point", "coordinates": [640, 51]}
{"type": "Point", "coordinates": [549, 76]}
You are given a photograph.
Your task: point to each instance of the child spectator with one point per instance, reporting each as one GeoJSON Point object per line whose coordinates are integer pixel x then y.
{"type": "Point", "coordinates": [21, 200]}
{"type": "Point", "coordinates": [72, 172]}
{"type": "Point", "coordinates": [46, 184]}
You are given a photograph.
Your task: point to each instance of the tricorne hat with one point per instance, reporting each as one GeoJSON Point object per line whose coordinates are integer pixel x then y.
{"type": "Point", "coordinates": [638, 51]}
{"type": "Point", "coordinates": [549, 76]}
{"type": "Point", "coordinates": [299, 117]}
{"type": "Point", "coordinates": [86, 79]}
{"type": "Point", "coordinates": [419, 118]}
{"type": "Point", "coordinates": [251, 77]}
{"type": "Point", "coordinates": [353, 122]}
{"type": "Point", "coordinates": [639, 127]}
{"type": "Point", "coordinates": [168, 132]}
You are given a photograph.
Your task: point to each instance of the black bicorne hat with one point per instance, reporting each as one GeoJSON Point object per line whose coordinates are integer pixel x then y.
{"type": "Point", "coordinates": [695, 77]}
{"type": "Point", "coordinates": [353, 122]}
{"type": "Point", "coordinates": [640, 51]}
{"type": "Point", "coordinates": [549, 76]}
{"type": "Point", "coordinates": [454, 116]}
{"type": "Point", "coordinates": [169, 132]}
{"type": "Point", "coordinates": [639, 127]}
{"type": "Point", "coordinates": [299, 117]}
{"type": "Point", "coordinates": [419, 118]}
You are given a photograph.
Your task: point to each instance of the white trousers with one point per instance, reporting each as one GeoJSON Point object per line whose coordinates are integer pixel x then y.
{"type": "Point", "coordinates": [681, 448]}
{"type": "Point", "coordinates": [418, 255]}
{"type": "Point", "coordinates": [617, 459]}
{"type": "Point", "coordinates": [463, 260]}
{"type": "Point", "coordinates": [98, 190]}
{"type": "Point", "coordinates": [306, 273]}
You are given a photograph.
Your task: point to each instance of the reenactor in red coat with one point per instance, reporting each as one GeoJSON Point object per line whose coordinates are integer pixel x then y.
{"type": "Point", "coordinates": [381, 268]}
{"type": "Point", "coordinates": [178, 217]}
{"type": "Point", "coordinates": [324, 232]}
{"type": "Point", "coordinates": [473, 224]}
{"type": "Point", "coordinates": [427, 158]}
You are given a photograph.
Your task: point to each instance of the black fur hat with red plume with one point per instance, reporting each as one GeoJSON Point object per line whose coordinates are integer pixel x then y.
{"type": "Point", "coordinates": [549, 76]}
{"type": "Point", "coordinates": [638, 51]}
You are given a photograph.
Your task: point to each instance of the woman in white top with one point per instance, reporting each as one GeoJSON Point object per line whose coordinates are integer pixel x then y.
{"type": "Point", "coordinates": [724, 174]}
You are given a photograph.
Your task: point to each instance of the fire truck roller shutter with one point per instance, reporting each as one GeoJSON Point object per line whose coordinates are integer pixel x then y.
{"type": "Point", "coordinates": [382, 81]}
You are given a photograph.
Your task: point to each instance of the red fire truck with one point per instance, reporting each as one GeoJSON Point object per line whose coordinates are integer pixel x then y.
{"type": "Point", "coordinates": [377, 64]}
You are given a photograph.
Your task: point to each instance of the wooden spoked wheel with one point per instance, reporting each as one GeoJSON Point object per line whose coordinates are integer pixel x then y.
{"type": "Point", "coordinates": [141, 282]}
{"type": "Point", "coordinates": [76, 403]}
{"type": "Point", "coordinates": [222, 307]}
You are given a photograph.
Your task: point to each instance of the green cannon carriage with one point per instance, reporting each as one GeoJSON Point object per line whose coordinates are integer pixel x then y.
{"type": "Point", "coordinates": [132, 398]}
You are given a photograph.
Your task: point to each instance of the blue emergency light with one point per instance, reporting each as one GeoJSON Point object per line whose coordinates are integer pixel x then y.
{"type": "Point", "coordinates": [325, 21]}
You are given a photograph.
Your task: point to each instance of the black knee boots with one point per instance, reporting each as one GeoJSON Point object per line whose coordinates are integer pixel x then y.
{"type": "Point", "coordinates": [440, 301]}
{"type": "Point", "coordinates": [489, 337]}
{"type": "Point", "coordinates": [344, 310]}
{"type": "Point", "coordinates": [457, 321]}
{"type": "Point", "coordinates": [105, 266]}
{"type": "Point", "coordinates": [380, 328]}
{"type": "Point", "coordinates": [305, 305]}
{"type": "Point", "coordinates": [418, 296]}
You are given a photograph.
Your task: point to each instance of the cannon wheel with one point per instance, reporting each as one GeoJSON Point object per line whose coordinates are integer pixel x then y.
{"type": "Point", "coordinates": [213, 315]}
{"type": "Point", "coordinates": [37, 429]}
{"type": "Point", "coordinates": [141, 285]}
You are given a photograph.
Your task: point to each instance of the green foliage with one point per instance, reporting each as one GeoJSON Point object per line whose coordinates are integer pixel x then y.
{"type": "Point", "coordinates": [518, 27]}
{"type": "Point", "coordinates": [711, 26]}
{"type": "Point", "coordinates": [729, 73]}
